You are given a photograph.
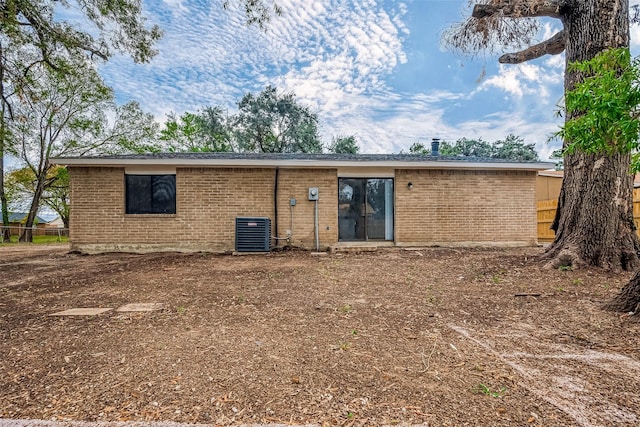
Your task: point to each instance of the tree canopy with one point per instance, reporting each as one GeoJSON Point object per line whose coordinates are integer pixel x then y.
{"type": "Point", "coordinates": [344, 145]}
{"type": "Point", "coordinates": [512, 148]}
{"type": "Point", "coordinates": [604, 106]}
{"type": "Point", "coordinates": [108, 26]}
{"type": "Point", "coordinates": [208, 130]}
{"type": "Point", "coordinates": [65, 114]}
{"type": "Point", "coordinates": [269, 122]}
{"type": "Point", "coordinates": [21, 185]}
{"type": "Point", "coordinates": [38, 32]}
{"type": "Point", "coordinates": [272, 122]}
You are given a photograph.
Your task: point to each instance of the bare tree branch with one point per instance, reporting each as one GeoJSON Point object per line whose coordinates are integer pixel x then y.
{"type": "Point", "coordinates": [552, 46]}
{"type": "Point", "coordinates": [634, 14]}
{"type": "Point", "coordinates": [519, 9]}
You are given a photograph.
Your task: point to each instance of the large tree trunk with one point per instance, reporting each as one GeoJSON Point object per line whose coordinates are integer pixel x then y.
{"type": "Point", "coordinates": [594, 221]}
{"type": "Point", "coordinates": [628, 300]}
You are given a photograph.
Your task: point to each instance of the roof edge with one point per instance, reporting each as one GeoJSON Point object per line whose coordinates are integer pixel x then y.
{"type": "Point", "coordinates": [316, 163]}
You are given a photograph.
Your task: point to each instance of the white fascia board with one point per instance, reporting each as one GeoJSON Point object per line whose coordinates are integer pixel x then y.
{"type": "Point", "coordinates": [298, 163]}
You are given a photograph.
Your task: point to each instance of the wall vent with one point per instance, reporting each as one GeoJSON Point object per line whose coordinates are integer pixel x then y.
{"type": "Point", "coordinates": [253, 234]}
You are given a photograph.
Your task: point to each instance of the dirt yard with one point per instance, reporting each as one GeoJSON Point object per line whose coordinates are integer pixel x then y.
{"type": "Point", "coordinates": [430, 336]}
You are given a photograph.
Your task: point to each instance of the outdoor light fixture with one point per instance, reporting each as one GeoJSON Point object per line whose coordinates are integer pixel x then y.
{"type": "Point", "coordinates": [410, 185]}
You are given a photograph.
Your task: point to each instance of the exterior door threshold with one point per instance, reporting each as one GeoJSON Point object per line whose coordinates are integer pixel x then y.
{"type": "Point", "coordinates": [360, 246]}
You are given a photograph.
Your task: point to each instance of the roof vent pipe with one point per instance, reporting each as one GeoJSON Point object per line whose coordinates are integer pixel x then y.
{"type": "Point", "coordinates": [435, 147]}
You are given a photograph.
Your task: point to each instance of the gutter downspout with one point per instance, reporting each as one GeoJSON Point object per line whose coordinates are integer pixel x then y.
{"type": "Point", "coordinates": [275, 204]}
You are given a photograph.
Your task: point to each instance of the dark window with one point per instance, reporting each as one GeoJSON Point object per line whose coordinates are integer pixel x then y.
{"type": "Point", "coordinates": [151, 194]}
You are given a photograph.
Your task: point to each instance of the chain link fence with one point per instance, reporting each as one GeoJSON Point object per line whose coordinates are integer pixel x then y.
{"type": "Point", "coordinates": [36, 230]}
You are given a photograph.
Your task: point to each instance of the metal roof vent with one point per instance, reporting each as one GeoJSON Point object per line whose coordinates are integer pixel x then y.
{"type": "Point", "coordinates": [253, 234]}
{"type": "Point", "coordinates": [435, 147]}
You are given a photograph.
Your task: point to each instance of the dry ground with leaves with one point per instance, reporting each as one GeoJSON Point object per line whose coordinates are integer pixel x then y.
{"type": "Point", "coordinates": [427, 336]}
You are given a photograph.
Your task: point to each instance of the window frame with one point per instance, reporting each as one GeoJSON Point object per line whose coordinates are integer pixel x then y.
{"type": "Point", "coordinates": [150, 210]}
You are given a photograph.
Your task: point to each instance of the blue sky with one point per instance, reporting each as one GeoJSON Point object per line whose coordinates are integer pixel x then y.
{"type": "Point", "coordinates": [369, 68]}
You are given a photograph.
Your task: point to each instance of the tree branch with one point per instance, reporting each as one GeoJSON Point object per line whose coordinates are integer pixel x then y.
{"type": "Point", "coordinates": [552, 46]}
{"type": "Point", "coordinates": [519, 9]}
{"type": "Point", "coordinates": [48, 33]}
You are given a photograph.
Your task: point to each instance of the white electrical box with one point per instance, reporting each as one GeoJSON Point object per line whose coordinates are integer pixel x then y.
{"type": "Point", "coordinates": [313, 193]}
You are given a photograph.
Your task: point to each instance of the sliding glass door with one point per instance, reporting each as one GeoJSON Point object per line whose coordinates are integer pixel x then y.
{"type": "Point", "coordinates": [365, 209]}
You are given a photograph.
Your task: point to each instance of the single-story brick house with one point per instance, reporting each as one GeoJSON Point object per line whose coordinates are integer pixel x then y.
{"type": "Point", "coordinates": [190, 201]}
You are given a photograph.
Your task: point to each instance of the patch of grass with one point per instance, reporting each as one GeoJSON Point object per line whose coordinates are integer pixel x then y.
{"type": "Point", "coordinates": [343, 345]}
{"type": "Point", "coordinates": [482, 388]}
{"type": "Point", "coordinates": [346, 308]}
{"type": "Point", "coordinates": [39, 240]}
{"type": "Point", "coordinates": [565, 268]}
{"type": "Point", "coordinates": [181, 309]}
{"type": "Point", "coordinates": [578, 281]}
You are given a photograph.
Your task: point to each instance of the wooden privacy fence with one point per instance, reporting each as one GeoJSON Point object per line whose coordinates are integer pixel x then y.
{"type": "Point", "coordinates": [547, 212]}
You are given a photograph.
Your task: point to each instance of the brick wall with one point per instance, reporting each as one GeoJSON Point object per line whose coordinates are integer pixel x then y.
{"type": "Point", "coordinates": [207, 202]}
{"type": "Point", "coordinates": [465, 207]}
{"type": "Point", "coordinates": [295, 183]}
{"type": "Point", "coordinates": [443, 207]}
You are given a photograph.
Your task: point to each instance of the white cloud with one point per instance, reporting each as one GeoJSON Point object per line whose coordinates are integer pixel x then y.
{"type": "Point", "coordinates": [209, 56]}
{"type": "Point", "coordinates": [635, 36]}
{"type": "Point", "coordinates": [523, 79]}
{"type": "Point", "coordinates": [176, 5]}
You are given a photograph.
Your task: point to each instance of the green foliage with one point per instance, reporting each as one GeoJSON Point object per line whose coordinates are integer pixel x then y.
{"type": "Point", "coordinates": [419, 148]}
{"type": "Point", "coordinates": [275, 123]}
{"type": "Point", "coordinates": [257, 11]}
{"type": "Point", "coordinates": [34, 33]}
{"type": "Point", "coordinates": [602, 109]}
{"type": "Point", "coordinates": [206, 131]}
{"type": "Point", "coordinates": [344, 145]}
{"type": "Point", "coordinates": [485, 389]}
{"type": "Point", "coordinates": [108, 26]}
{"type": "Point", "coordinates": [133, 130]}
{"type": "Point", "coordinates": [557, 154]}
{"type": "Point", "coordinates": [514, 148]}
{"type": "Point", "coordinates": [473, 148]}
{"type": "Point", "coordinates": [64, 113]}
{"type": "Point", "coordinates": [445, 149]}
{"type": "Point", "coordinates": [21, 184]}
{"type": "Point", "coordinates": [181, 133]}
{"type": "Point", "coordinates": [59, 113]}
{"type": "Point", "coordinates": [266, 123]}
{"type": "Point", "coordinates": [510, 148]}
{"type": "Point", "coordinates": [346, 309]}
{"type": "Point", "coordinates": [215, 129]}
